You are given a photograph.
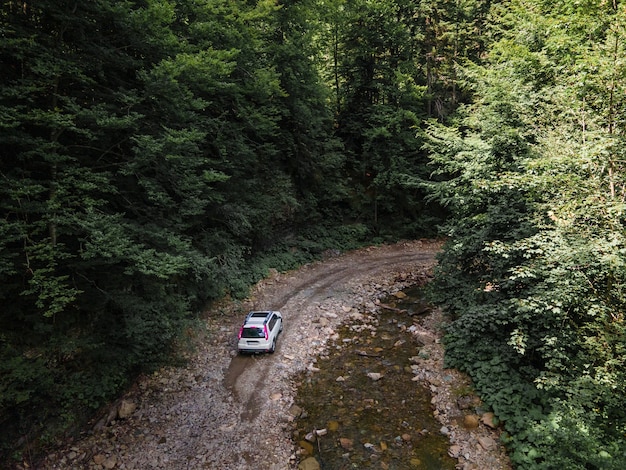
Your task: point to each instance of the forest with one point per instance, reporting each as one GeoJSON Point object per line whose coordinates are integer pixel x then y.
{"type": "Point", "coordinates": [157, 155]}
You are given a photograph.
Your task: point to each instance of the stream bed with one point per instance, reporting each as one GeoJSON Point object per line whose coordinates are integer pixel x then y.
{"type": "Point", "coordinates": [361, 405]}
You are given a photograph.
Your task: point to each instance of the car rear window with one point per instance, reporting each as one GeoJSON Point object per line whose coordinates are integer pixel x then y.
{"type": "Point", "coordinates": [252, 332]}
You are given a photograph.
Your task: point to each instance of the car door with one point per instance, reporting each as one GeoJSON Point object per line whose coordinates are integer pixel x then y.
{"type": "Point", "coordinates": [272, 324]}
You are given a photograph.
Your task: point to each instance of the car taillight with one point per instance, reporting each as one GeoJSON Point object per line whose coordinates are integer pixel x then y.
{"type": "Point", "coordinates": [240, 333]}
{"type": "Point", "coordinates": [266, 333]}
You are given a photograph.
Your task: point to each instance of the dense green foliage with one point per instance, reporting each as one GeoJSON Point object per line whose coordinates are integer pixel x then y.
{"type": "Point", "coordinates": [533, 273]}
{"type": "Point", "coordinates": [156, 155]}
{"type": "Point", "coordinates": [160, 154]}
{"type": "Point", "coordinates": [145, 166]}
{"type": "Point", "coordinates": [384, 91]}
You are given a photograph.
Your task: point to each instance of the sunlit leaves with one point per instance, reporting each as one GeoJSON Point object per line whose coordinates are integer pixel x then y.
{"type": "Point", "coordinates": [542, 288]}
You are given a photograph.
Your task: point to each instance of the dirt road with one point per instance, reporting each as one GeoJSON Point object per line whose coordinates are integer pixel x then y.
{"type": "Point", "coordinates": [223, 411]}
{"type": "Point", "coordinates": [299, 296]}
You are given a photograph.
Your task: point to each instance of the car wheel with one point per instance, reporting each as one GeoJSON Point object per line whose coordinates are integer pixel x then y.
{"type": "Point", "coordinates": [273, 348]}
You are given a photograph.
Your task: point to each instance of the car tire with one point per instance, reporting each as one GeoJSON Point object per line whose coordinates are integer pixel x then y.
{"type": "Point", "coordinates": [273, 348]}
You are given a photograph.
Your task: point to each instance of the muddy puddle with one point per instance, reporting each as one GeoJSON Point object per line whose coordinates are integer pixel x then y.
{"type": "Point", "coordinates": [362, 409]}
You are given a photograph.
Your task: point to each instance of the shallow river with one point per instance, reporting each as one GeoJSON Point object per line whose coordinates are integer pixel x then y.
{"type": "Point", "coordinates": [364, 403]}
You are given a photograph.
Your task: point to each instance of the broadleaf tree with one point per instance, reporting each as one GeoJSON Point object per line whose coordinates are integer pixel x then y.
{"type": "Point", "coordinates": [537, 296]}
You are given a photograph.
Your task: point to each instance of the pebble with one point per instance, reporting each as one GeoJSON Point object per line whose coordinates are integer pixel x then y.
{"type": "Point", "coordinates": [346, 443]}
{"type": "Point", "coordinates": [487, 443]}
{"type": "Point", "coordinates": [455, 451]}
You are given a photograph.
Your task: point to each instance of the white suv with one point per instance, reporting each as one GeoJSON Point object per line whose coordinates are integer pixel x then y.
{"type": "Point", "coordinates": [260, 331]}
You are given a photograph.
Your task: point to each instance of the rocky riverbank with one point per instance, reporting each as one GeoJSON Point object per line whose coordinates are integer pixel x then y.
{"type": "Point", "coordinates": [223, 411]}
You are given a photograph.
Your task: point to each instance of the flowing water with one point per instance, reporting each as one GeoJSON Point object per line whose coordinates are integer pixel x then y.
{"type": "Point", "coordinates": [382, 420]}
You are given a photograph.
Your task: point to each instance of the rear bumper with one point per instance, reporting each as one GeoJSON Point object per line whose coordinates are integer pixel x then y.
{"type": "Point", "coordinates": [244, 347]}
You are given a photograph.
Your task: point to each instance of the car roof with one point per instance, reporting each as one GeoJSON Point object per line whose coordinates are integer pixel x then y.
{"type": "Point", "coordinates": [260, 314]}
{"type": "Point", "coordinates": [258, 318]}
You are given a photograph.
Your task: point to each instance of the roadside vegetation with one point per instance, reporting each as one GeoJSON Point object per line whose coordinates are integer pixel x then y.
{"type": "Point", "coordinates": [533, 273]}
{"type": "Point", "coordinates": [160, 154]}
